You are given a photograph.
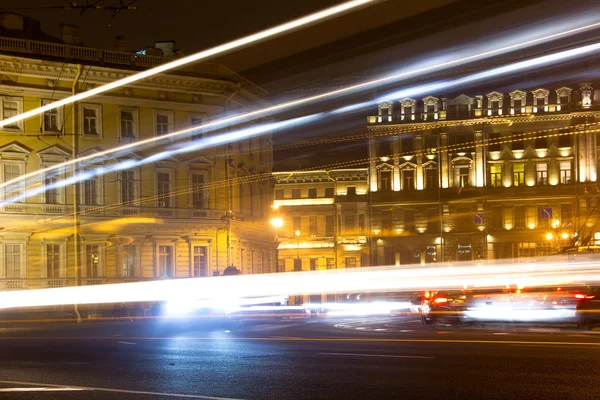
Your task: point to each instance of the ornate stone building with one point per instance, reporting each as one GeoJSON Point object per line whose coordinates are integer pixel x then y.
{"type": "Point", "coordinates": [497, 176]}
{"type": "Point", "coordinates": [190, 215]}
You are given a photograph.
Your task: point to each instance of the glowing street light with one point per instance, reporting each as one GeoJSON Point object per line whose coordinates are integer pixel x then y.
{"type": "Point", "coordinates": [549, 236]}
{"type": "Point", "coordinates": [277, 222]}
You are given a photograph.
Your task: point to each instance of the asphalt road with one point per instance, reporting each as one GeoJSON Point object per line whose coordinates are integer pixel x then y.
{"type": "Point", "coordinates": [375, 358]}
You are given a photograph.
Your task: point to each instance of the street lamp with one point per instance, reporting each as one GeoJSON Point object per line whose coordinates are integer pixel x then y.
{"type": "Point", "coordinates": [277, 223]}
{"type": "Point", "coordinates": [298, 242]}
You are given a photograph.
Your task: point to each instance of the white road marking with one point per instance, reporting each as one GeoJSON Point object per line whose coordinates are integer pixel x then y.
{"type": "Point", "coordinates": [406, 330]}
{"type": "Point", "coordinates": [380, 329]}
{"type": "Point", "coordinates": [373, 355]}
{"type": "Point", "coordinates": [99, 389]}
{"type": "Point", "coordinates": [126, 343]}
{"type": "Point", "coordinates": [360, 328]}
{"type": "Point", "coordinates": [544, 330]}
{"type": "Point", "coordinates": [500, 333]}
{"type": "Point", "coordinates": [42, 389]}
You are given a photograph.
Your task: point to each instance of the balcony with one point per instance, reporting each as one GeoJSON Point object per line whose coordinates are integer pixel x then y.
{"type": "Point", "coordinates": [13, 284]}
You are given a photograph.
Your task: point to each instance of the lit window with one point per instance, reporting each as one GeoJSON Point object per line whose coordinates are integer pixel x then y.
{"type": "Point", "coordinates": [90, 192]}
{"type": "Point", "coordinates": [199, 191]}
{"type": "Point", "coordinates": [12, 171]}
{"type": "Point", "coordinates": [408, 179]}
{"type": "Point", "coordinates": [164, 121]}
{"type": "Point", "coordinates": [92, 260]}
{"type": "Point", "coordinates": [52, 258]}
{"type": "Point", "coordinates": [13, 259]}
{"type": "Point", "coordinates": [164, 189]}
{"type": "Point", "coordinates": [165, 261]}
{"type": "Point", "coordinates": [128, 186]}
{"type": "Point", "coordinates": [128, 260]}
{"type": "Point", "coordinates": [542, 173]}
{"type": "Point", "coordinates": [52, 191]}
{"type": "Point", "coordinates": [518, 174]}
{"type": "Point", "coordinates": [496, 176]}
{"type": "Point", "coordinates": [11, 108]}
{"type": "Point", "coordinates": [565, 172]}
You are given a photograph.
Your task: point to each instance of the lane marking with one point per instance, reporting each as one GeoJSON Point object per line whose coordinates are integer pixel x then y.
{"type": "Point", "coordinates": [360, 328]}
{"type": "Point", "coordinates": [581, 346]}
{"type": "Point", "coordinates": [291, 339]}
{"type": "Point", "coordinates": [544, 330]}
{"type": "Point", "coordinates": [373, 355]}
{"type": "Point", "coordinates": [126, 343]}
{"type": "Point", "coordinates": [380, 329]}
{"type": "Point", "coordinates": [500, 333]}
{"type": "Point", "coordinates": [111, 390]}
{"type": "Point", "coordinates": [43, 389]}
{"type": "Point", "coordinates": [118, 334]}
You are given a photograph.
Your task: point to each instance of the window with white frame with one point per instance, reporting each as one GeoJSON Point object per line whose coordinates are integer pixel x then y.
{"type": "Point", "coordinates": [53, 193]}
{"type": "Point", "coordinates": [91, 119]}
{"type": "Point", "coordinates": [541, 170]}
{"type": "Point", "coordinates": [200, 261]}
{"type": "Point", "coordinates": [129, 190]}
{"type": "Point", "coordinates": [93, 268]}
{"type": "Point", "coordinates": [52, 120]}
{"type": "Point", "coordinates": [163, 122]}
{"type": "Point", "coordinates": [128, 260]}
{"type": "Point", "coordinates": [163, 185]}
{"type": "Point", "coordinates": [197, 134]}
{"type": "Point", "coordinates": [11, 107]}
{"type": "Point", "coordinates": [165, 261]}
{"type": "Point", "coordinates": [198, 180]}
{"type": "Point", "coordinates": [14, 260]}
{"type": "Point", "coordinates": [565, 172]}
{"type": "Point", "coordinates": [53, 256]}
{"type": "Point", "coordinates": [90, 191]}
{"type": "Point", "coordinates": [128, 123]}
{"type": "Point", "coordinates": [12, 170]}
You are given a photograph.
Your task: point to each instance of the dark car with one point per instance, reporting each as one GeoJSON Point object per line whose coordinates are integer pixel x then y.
{"type": "Point", "coordinates": [588, 312]}
{"type": "Point", "coordinates": [443, 307]}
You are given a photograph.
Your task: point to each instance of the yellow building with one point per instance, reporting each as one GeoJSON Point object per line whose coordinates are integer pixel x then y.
{"type": "Point", "coordinates": [184, 216]}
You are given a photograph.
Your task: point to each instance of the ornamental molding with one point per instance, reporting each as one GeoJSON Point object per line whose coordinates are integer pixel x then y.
{"type": "Point", "coordinates": [100, 76]}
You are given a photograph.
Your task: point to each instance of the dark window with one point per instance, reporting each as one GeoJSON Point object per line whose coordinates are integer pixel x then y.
{"type": "Point", "coordinates": [431, 142]}
{"type": "Point", "coordinates": [407, 145]}
{"type": "Point", "coordinates": [431, 178]}
{"type": "Point", "coordinates": [408, 177]}
{"type": "Point", "coordinates": [329, 192]}
{"type": "Point", "coordinates": [517, 105]}
{"type": "Point", "coordinates": [494, 142]}
{"type": "Point", "coordinates": [351, 191]}
{"type": "Point", "coordinates": [517, 141]}
{"type": "Point", "coordinates": [385, 147]}
{"type": "Point", "coordinates": [329, 227]}
{"type": "Point", "coordinates": [361, 223]}
{"type": "Point", "coordinates": [540, 101]}
{"type": "Point", "coordinates": [541, 142]}
{"type": "Point", "coordinates": [563, 100]}
{"type": "Point", "coordinates": [386, 221]}
{"type": "Point", "coordinates": [295, 193]}
{"type": "Point", "coordinates": [565, 141]}
{"type": "Point", "coordinates": [386, 181]}
{"type": "Point", "coordinates": [496, 218]}
{"type": "Point", "coordinates": [520, 217]}
{"type": "Point", "coordinates": [313, 225]}
{"type": "Point", "coordinates": [313, 264]}
{"type": "Point", "coordinates": [349, 221]}
{"type": "Point", "coordinates": [312, 193]}
{"type": "Point", "coordinates": [279, 194]}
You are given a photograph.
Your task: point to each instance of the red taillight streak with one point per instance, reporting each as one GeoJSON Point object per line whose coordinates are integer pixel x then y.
{"type": "Point", "coordinates": [441, 300]}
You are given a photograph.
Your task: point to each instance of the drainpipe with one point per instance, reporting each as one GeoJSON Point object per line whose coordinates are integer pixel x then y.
{"type": "Point", "coordinates": [75, 144]}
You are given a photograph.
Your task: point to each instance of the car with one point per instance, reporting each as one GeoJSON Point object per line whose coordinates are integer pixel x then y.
{"type": "Point", "coordinates": [588, 312]}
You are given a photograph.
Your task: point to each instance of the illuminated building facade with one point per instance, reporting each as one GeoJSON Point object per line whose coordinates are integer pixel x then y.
{"type": "Point", "coordinates": [192, 215]}
{"type": "Point", "coordinates": [496, 176]}
{"type": "Point", "coordinates": [325, 219]}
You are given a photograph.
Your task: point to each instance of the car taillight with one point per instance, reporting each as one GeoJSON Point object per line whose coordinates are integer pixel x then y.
{"type": "Point", "coordinates": [441, 300]}
{"type": "Point", "coordinates": [580, 296]}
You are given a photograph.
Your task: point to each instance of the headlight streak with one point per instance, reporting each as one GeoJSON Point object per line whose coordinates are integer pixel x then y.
{"type": "Point", "coordinates": [271, 127]}
{"type": "Point", "coordinates": [245, 117]}
{"type": "Point", "coordinates": [550, 271]}
{"type": "Point", "coordinates": [244, 41]}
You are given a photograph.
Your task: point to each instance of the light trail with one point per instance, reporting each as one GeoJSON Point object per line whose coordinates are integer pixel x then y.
{"type": "Point", "coordinates": [254, 38]}
{"type": "Point", "coordinates": [271, 127]}
{"type": "Point", "coordinates": [224, 290]}
{"type": "Point", "coordinates": [306, 100]}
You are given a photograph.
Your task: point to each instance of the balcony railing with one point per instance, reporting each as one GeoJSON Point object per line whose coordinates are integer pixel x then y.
{"type": "Point", "coordinates": [33, 47]}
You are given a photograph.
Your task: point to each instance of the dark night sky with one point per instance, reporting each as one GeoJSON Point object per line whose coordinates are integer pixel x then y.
{"type": "Point", "coordinates": [199, 24]}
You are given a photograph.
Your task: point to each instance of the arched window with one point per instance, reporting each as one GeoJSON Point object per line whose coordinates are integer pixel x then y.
{"type": "Point", "coordinates": [430, 108]}
{"type": "Point", "coordinates": [408, 176]}
{"type": "Point", "coordinates": [407, 109]}
{"type": "Point", "coordinates": [385, 178]}
{"type": "Point", "coordinates": [518, 101]}
{"type": "Point", "coordinates": [430, 176]}
{"type": "Point", "coordinates": [540, 100]}
{"type": "Point", "coordinates": [495, 100]}
{"type": "Point", "coordinates": [462, 172]}
{"type": "Point", "coordinates": [385, 112]}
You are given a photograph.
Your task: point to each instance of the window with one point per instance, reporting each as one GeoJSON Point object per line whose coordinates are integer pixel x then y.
{"type": "Point", "coordinates": [385, 147]}
{"type": "Point", "coordinates": [329, 192]}
{"type": "Point", "coordinates": [295, 193]}
{"type": "Point", "coordinates": [312, 225]}
{"type": "Point", "coordinates": [350, 262]}
{"type": "Point", "coordinates": [407, 145]}
{"type": "Point", "coordinates": [128, 186]}
{"type": "Point", "coordinates": [197, 134]}
{"type": "Point", "coordinates": [496, 175]}
{"type": "Point", "coordinates": [312, 193]}
{"type": "Point", "coordinates": [351, 191]}
{"type": "Point", "coordinates": [566, 215]}
{"type": "Point", "coordinates": [430, 254]}
{"type": "Point", "coordinates": [330, 263]}
{"type": "Point", "coordinates": [90, 193]}
{"type": "Point", "coordinates": [53, 255]}
{"type": "Point", "coordinates": [541, 170]}
{"type": "Point", "coordinates": [520, 217]}
{"type": "Point", "coordinates": [199, 192]}
{"type": "Point", "coordinates": [386, 221]}
{"type": "Point", "coordinates": [128, 118]}
{"type": "Point", "coordinates": [12, 171]}
{"type": "Point", "coordinates": [361, 223]}
{"type": "Point", "coordinates": [385, 181]}
{"type": "Point", "coordinates": [408, 179]}
{"type": "Point", "coordinates": [431, 178]}
{"type": "Point", "coordinates": [462, 175]}
{"type": "Point", "coordinates": [279, 194]}
{"type": "Point", "coordinates": [128, 260]}
{"type": "Point", "coordinates": [313, 264]}
{"type": "Point", "coordinates": [541, 142]}
{"type": "Point", "coordinates": [164, 189]}
{"type": "Point", "coordinates": [565, 140]}
{"type": "Point", "coordinates": [92, 260]}
{"type": "Point", "coordinates": [297, 224]}
{"type": "Point", "coordinates": [518, 174]}
{"type": "Point", "coordinates": [11, 108]}
{"type": "Point", "coordinates": [51, 119]}
{"type": "Point", "coordinates": [165, 261]}
{"type": "Point", "coordinates": [349, 221]}
{"type": "Point", "coordinates": [496, 218]}
{"type": "Point", "coordinates": [494, 144]}
{"type": "Point", "coordinates": [12, 260]}
{"type": "Point", "coordinates": [52, 192]}
{"type": "Point", "coordinates": [200, 262]}
{"type": "Point", "coordinates": [163, 122]}
{"type": "Point", "coordinates": [329, 227]}
{"type": "Point", "coordinates": [565, 172]}
{"type": "Point", "coordinates": [91, 119]}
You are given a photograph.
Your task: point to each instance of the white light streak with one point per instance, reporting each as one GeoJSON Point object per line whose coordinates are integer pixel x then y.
{"type": "Point", "coordinates": [416, 278]}
{"type": "Point", "coordinates": [303, 101]}
{"type": "Point", "coordinates": [254, 38]}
